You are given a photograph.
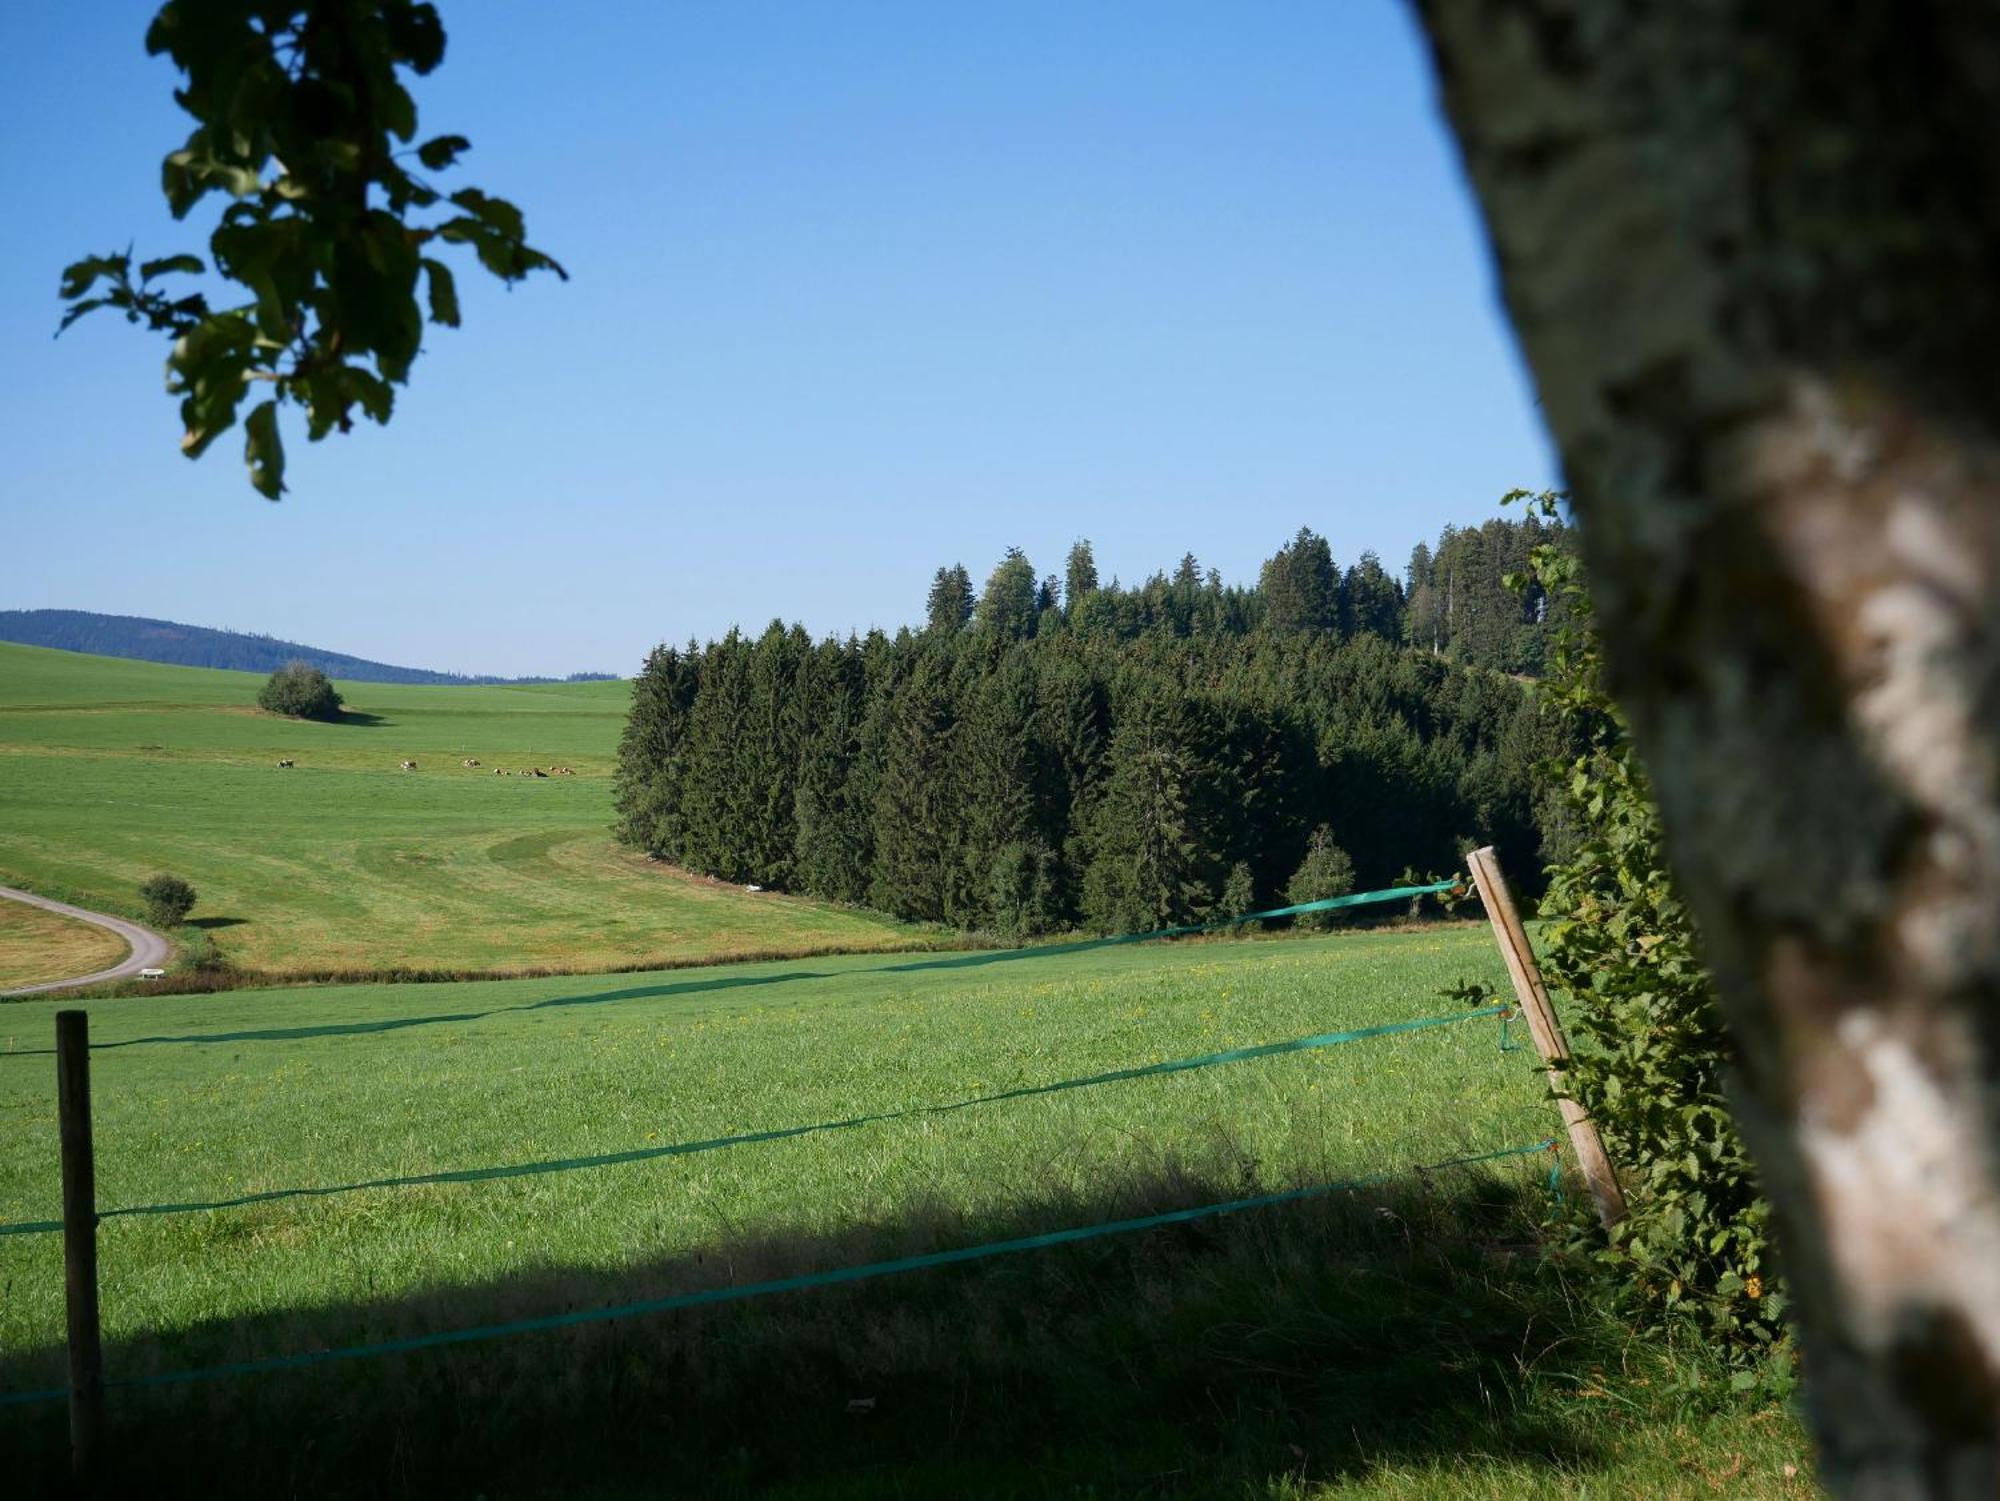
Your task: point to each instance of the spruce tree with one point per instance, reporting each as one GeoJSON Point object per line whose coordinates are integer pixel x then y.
{"type": "Point", "coordinates": [1239, 892]}
{"type": "Point", "coordinates": [1007, 608]}
{"type": "Point", "coordinates": [996, 775]}
{"type": "Point", "coordinates": [949, 606]}
{"type": "Point", "coordinates": [1080, 578]}
{"type": "Point", "coordinates": [918, 824]}
{"type": "Point", "coordinates": [1371, 602]}
{"type": "Point", "coordinates": [1301, 591]}
{"type": "Point", "coordinates": [1423, 619]}
{"type": "Point", "coordinates": [714, 807]}
{"type": "Point", "coordinates": [1149, 864]}
{"type": "Point", "coordinates": [1325, 872]}
{"type": "Point", "coordinates": [647, 785]}
{"type": "Point", "coordinates": [834, 846]}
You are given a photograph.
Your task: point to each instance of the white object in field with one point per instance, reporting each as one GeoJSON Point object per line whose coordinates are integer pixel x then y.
{"type": "Point", "coordinates": [152, 974]}
{"type": "Point", "coordinates": [753, 886]}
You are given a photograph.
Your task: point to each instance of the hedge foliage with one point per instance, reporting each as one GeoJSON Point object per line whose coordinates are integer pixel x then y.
{"type": "Point", "coordinates": [1652, 1067]}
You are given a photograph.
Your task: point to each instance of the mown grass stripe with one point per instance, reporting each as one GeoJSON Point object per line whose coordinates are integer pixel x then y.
{"type": "Point", "coordinates": [952, 961]}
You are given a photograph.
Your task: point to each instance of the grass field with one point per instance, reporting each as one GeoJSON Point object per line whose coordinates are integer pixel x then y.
{"type": "Point", "coordinates": [1407, 1339]}
{"type": "Point", "coordinates": [37, 945]}
{"type": "Point", "coordinates": [111, 770]}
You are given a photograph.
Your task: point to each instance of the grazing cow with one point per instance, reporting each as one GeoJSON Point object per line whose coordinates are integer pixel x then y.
{"type": "Point", "coordinates": [499, 771]}
{"type": "Point", "coordinates": [409, 766]}
{"type": "Point", "coordinates": [284, 764]}
{"type": "Point", "coordinates": [542, 774]}
{"type": "Point", "coordinates": [470, 761]}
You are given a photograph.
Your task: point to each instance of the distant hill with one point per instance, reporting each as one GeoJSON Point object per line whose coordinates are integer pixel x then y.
{"type": "Point", "coordinates": [144, 640]}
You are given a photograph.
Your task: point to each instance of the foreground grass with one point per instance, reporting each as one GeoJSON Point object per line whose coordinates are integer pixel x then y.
{"type": "Point", "coordinates": [110, 770]}
{"type": "Point", "coordinates": [1403, 1339]}
{"type": "Point", "coordinates": [37, 945]}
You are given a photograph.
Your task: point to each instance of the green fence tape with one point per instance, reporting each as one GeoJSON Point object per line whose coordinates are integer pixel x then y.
{"type": "Point", "coordinates": [782, 1133]}
{"type": "Point", "coordinates": [831, 1278]}
{"type": "Point", "coordinates": [1299, 909]}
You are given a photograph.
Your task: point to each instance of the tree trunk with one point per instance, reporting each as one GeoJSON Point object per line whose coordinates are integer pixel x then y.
{"type": "Point", "coordinates": [1752, 251]}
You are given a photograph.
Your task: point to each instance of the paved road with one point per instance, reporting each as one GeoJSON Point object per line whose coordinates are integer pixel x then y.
{"type": "Point", "coordinates": [148, 947]}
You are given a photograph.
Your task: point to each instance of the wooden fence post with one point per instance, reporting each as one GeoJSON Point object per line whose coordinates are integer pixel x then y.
{"type": "Point", "coordinates": [1591, 1159]}
{"type": "Point", "coordinates": [79, 1186]}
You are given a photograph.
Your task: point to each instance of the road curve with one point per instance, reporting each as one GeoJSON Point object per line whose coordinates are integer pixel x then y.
{"type": "Point", "coordinates": [148, 948]}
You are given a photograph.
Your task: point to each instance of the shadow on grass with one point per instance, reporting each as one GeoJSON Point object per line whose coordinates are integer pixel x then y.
{"type": "Point", "coordinates": [358, 719]}
{"type": "Point", "coordinates": [210, 924]}
{"type": "Point", "coordinates": [1406, 1322]}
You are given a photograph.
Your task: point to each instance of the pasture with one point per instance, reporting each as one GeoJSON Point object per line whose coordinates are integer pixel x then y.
{"type": "Point", "coordinates": [111, 770]}
{"type": "Point", "coordinates": [1404, 1338]}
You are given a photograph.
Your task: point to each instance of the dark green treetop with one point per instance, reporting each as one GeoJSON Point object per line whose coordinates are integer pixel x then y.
{"type": "Point", "coordinates": [1080, 578]}
{"type": "Point", "coordinates": [1301, 589]}
{"type": "Point", "coordinates": [1007, 608]}
{"type": "Point", "coordinates": [949, 605]}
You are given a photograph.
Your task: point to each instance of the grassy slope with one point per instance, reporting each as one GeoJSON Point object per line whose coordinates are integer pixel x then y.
{"type": "Point", "coordinates": [37, 945]}
{"type": "Point", "coordinates": [1405, 1341]}
{"type": "Point", "coordinates": [111, 769]}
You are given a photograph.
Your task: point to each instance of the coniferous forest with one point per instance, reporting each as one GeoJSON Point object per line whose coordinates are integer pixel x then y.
{"type": "Point", "coordinates": [1053, 753]}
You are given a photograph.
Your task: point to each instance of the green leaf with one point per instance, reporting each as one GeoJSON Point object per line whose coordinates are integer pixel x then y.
{"type": "Point", "coordinates": [441, 151]}
{"type": "Point", "coordinates": [397, 111]}
{"type": "Point", "coordinates": [77, 310]}
{"type": "Point", "coordinates": [373, 394]}
{"type": "Point", "coordinates": [80, 276]}
{"type": "Point", "coordinates": [264, 450]}
{"type": "Point", "coordinates": [443, 291]}
{"type": "Point", "coordinates": [190, 264]}
{"type": "Point", "coordinates": [416, 33]}
{"type": "Point", "coordinates": [495, 212]}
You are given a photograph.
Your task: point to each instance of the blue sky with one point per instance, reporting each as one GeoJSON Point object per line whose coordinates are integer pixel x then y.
{"type": "Point", "coordinates": [858, 289]}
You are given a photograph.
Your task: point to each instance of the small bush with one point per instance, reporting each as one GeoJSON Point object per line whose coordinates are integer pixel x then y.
{"type": "Point", "coordinates": [1325, 872]}
{"type": "Point", "coordinates": [300, 690]}
{"type": "Point", "coordinates": [1239, 892]}
{"type": "Point", "coordinates": [168, 899]}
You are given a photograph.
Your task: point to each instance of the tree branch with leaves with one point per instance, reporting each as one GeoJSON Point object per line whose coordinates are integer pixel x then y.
{"type": "Point", "coordinates": [303, 121]}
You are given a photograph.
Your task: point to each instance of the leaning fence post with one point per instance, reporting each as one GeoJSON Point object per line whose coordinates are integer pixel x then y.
{"type": "Point", "coordinates": [79, 1186]}
{"type": "Point", "coordinates": [1591, 1159]}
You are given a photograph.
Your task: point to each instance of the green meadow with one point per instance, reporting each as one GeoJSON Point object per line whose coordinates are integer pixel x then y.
{"type": "Point", "coordinates": [111, 770]}
{"type": "Point", "coordinates": [1406, 1337]}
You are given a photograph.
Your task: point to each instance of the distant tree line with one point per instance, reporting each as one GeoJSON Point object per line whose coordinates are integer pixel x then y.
{"type": "Point", "coordinates": [139, 638]}
{"type": "Point", "coordinates": [1051, 753]}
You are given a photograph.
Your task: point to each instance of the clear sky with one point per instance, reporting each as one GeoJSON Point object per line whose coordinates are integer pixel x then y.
{"type": "Point", "coordinates": [858, 289]}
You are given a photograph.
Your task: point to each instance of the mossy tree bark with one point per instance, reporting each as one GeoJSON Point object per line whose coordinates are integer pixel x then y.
{"type": "Point", "coordinates": [1752, 251]}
